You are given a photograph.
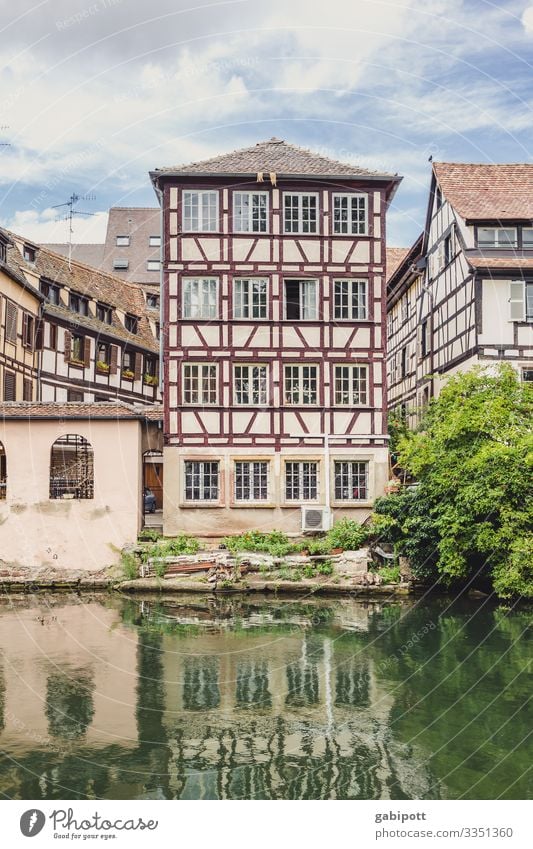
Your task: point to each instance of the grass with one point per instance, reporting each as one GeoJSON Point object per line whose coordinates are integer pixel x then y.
{"type": "Point", "coordinates": [181, 544]}
{"type": "Point", "coordinates": [129, 565]}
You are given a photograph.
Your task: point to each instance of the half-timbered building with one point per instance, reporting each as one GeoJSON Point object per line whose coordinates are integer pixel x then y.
{"type": "Point", "coordinates": [463, 294]}
{"type": "Point", "coordinates": [274, 344]}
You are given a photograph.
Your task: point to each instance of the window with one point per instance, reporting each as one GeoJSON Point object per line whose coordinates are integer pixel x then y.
{"type": "Point", "coordinates": [349, 214]}
{"type": "Point", "coordinates": [251, 481]}
{"type": "Point", "coordinates": [154, 241]}
{"type": "Point", "coordinates": [152, 300]}
{"type": "Point", "coordinates": [405, 308]}
{"type": "Point", "coordinates": [301, 384]}
{"type": "Point", "coordinates": [351, 385]}
{"type": "Point", "coordinates": [50, 292]}
{"type": "Point", "coordinates": [150, 371]}
{"type": "Point", "coordinates": [201, 481]}
{"type": "Point", "coordinates": [200, 383]}
{"type": "Point", "coordinates": [71, 468]}
{"type": "Point", "coordinates": [131, 323]}
{"type": "Point", "coordinates": [448, 249]}
{"type": "Point", "coordinates": [122, 241]}
{"type": "Point", "coordinates": [497, 237]}
{"type": "Point", "coordinates": [300, 213]}
{"type": "Point", "coordinates": [438, 198]}
{"type": "Point", "coordinates": [350, 300]}
{"type": "Point", "coordinates": [28, 327]}
{"type": "Point", "coordinates": [301, 300]}
{"type": "Point", "coordinates": [250, 211]}
{"type": "Point", "coordinates": [403, 367]}
{"type": "Point", "coordinates": [11, 322]}
{"type": "Point", "coordinates": [104, 313]}
{"type": "Point", "coordinates": [10, 385]}
{"type": "Point", "coordinates": [3, 258]}
{"type": "Point", "coordinates": [74, 395]}
{"type": "Point", "coordinates": [301, 481]}
{"type": "Point", "coordinates": [153, 265]}
{"type": "Point", "coordinates": [527, 375]}
{"type": "Point", "coordinates": [527, 237]}
{"type": "Point", "coordinates": [424, 338]}
{"type": "Point", "coordinates": [351, 481]}
{"type": "Point", "coordinates": [521, 300]}
{"type": "Point", "coordinates": [250, 385]}
{"type": "Point", "coordinates": [29, 253]}
{"type": "Point", "coordinates": [200, 298]}
{"type": "Point", "coordinates": [200, 212]}
{"type": "Point", "coordinates": [120, 264]}
{"type": "Point", "coordinates": [3, 473]}
{"type": "Point", "coordinates": [250, 298]}
{"type": "Point", "coordinates": [103, 357]}
{"type": "Point", "coordinates": [157, 330]}
{"type": "Point", "coordinates": [77, 303]}
{"type": "Point", "coordinates": [52, 336]}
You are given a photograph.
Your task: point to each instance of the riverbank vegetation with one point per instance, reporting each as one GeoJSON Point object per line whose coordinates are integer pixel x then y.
{"type": "Point", "coordinates": [469, 518]}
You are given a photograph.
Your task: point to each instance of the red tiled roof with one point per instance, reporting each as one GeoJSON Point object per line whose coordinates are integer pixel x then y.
{"type": "Point", "coordinates": [67, 410]}
{"type": "Point", "coordinates": [501, 262]}
{"type": "Point", "coordinates": [394, 258]}
{"type": "Point", "coordinates": [490, 192]}
{"type": "Point", "coordinates": [274, 155]}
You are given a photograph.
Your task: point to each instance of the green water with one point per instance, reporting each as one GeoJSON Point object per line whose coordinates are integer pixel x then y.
{"type": "Point", "coordinates": [215, 698]}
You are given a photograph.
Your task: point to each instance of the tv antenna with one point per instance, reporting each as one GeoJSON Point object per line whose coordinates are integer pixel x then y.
{"type": "Point", "coordinates": [71, 203]}
{"type": "Point", "coordinates": [4, 144]}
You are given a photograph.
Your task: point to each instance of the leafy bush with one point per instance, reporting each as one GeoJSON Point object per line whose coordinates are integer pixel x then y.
{"type": "Point", "coordinates": [325, 568]}
{"type": "Point", "coordinates": [149, 535]}
{"type": "Point", "coordinates": [181, 544]}
{"type": "Point", "coordinates": [319, 546]}
{"type": "Point", "coordinates": [390, 574]}
{"type": "Point", "coordinates": [346, 534]}
{"type": "Point", "coordinates": [275, 543]}
{"type": "Point", "coordinates": [129, 566]}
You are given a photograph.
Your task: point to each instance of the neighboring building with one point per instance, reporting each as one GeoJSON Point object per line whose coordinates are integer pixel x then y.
{"type": "Point", "coordinates": [72, 482]}
{"type": "Point", "coordinates": [92, 337]}
{"type": "Point", "coordinates": [20, 310]}
{"type": "Point", "coordinates": [132, 248]}
{"type": "Point", "coordinates": [463, 294]}
{"type": "Point", "coordinates": [274, 310]}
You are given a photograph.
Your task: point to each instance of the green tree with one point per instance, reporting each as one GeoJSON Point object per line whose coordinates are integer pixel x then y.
{"type": "Point", "coordinates": [471, 512]}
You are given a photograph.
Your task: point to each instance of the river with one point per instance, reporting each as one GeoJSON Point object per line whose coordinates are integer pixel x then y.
{"type": "Point", "coordinates": [233, 697]}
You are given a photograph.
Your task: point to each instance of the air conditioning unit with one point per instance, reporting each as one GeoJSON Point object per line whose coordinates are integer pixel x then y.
{"type": "Point", "coordinates": [315, 518]}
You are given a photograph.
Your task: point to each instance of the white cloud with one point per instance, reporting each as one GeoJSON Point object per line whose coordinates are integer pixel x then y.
{"type": "Point", "coordinates": [45, 227]}
{"type": "Point", "coordinates": [527, 20]}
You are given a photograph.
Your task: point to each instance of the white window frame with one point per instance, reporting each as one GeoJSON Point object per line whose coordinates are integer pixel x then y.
{"type": "Point", "coordinates": [197, 223]}
{"type": "Point", "coordinates": [253, 485]}
{"type": "Point", "coordinates": [204, 392]}
{"type": "Point", "coordinates": [304, 476]}
{"type": "Point", "coordinates": [244, 308]}
{"type": "Point", "coordinates": [346, 468]}
{"type": "Point", "coordinates": [354, 226]}
{"type": "Point", "coordinates": [529, 245]}
{"type": "Point", "coordinates": [300, 206]}
{"type": "Point", "coordinates": [296, 379]}
{"type": "Point", "coordinates": [202, 480]}
{"type": "Point", "coordinates": [154, 241]}
{"type": "Point", "coordinates": [122, 241]}
{"type": "Point", "coordinates": [153, 265]}
{"type": "Point", "coordinates": [496, 243]}
{"type": "Point", "coordinates": [517, 300]}
{"type": "Point", "coordinates": [308, 305]}
{"type": "Point", "coordinates": [200, 305]}
{"type": "Point", "coordinates": [244, 221]}
{"type": "Point", "coordinates": [357, 287]}
{"type": "Point", "coordinates": [356, 394]}
{"type": "Point", "coordinates": [253, 376]}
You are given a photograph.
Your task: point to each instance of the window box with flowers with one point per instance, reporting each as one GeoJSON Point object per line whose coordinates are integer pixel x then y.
{"type": "Point", "coordinates": [128, 374]}
{"type": "Point", "coordinates": [101, 367]}
{"type": "Point", "coordinates": [151, 379]}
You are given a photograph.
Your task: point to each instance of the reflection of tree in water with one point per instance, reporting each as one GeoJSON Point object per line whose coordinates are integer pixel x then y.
{"type": "Point", "coordinates": [201, 690]}
{"type": "Point", "coordinates": [352, 684]}
{"type": "Point", "coordinates": [302, 678]}
{"type": "Point", "coordinates": [69, 703]}
{"type": "Point", "coordinates": [252, 684]}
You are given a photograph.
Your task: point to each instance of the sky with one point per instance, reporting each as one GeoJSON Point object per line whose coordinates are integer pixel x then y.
{"type": "Point", "coordinates": [95, 93]}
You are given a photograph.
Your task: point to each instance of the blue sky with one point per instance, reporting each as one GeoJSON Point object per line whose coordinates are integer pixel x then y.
{"type": "Point", "coordinates": [97, 92]}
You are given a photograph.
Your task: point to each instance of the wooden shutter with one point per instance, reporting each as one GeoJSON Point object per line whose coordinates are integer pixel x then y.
{"type": "Point", "coordinates": [10, 384]}
{"type": "Point", "coordinates": [87, 351]}
{"type": "Point", "coordinates": [27, 390]}
{"type": "Point", "coordinates": [113, 359]}
{"type": "Point", "coordinates": [138, 366]}
{"type": "Point", "coordinates": [517, 300]}
{"type": "Point", "coordinates": [68, 345]}
{"type": "Point", "coordinates": [11, 322]}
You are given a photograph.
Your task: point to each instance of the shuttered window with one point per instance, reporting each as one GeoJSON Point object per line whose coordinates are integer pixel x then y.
{"type": "Point", "coordinates": [27, 330]}
{"type": "Point", "coordinates": [10, 381]}
{"type": "Point", "coordinates": [27, 390]}
{"type": "Point", "coordinates": [11, 322]}
{"type": "Point", "coordinates": [517, 311]}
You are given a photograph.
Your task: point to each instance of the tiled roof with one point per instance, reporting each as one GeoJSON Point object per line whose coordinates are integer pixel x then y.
{"type": "Point", "coordinates": [511, 262]}
{"type": "Point", "coordinates": [394, 258]}
{"type": "Point", "coordinates": [480, 192]}
{"type": "Point", "coordinates": [89, 254]}
{"type": "Point", "coordinates": [67, 410]}
{"type": "Point", "coordinates": [153, 413]}
{"type": "Point", "coordinates": [274, 155]}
